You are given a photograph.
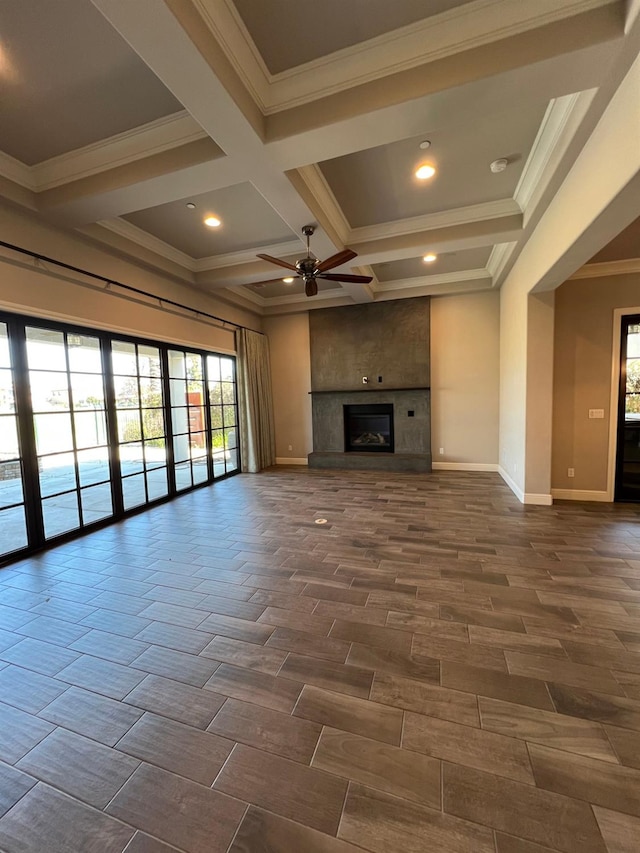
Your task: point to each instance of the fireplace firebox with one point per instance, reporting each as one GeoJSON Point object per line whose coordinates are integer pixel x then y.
{"type": "Point", "coordinates": [368, 428]}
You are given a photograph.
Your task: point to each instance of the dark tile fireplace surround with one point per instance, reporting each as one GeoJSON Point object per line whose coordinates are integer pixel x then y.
{"type": "Point", "coordinates": [383, 423]}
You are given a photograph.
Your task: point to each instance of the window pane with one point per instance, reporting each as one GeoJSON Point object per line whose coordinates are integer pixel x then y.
{"type": "Point", "coordinates": [229, 416]}
{"type": "Point", "coordinates": [148, 360]}
{"type": "Point", "coordinates": [14, 530]}
{"type": "Point", "coordinates": [230, 438]}
{"type": "Point", "coordinates": [123, 358]}
{"type": "Point", "coordinates": [232, 460]}
{"type": "Point", "coordinates": [131, 458]}
{"type": "Point", "coordinates": [87, 391]}
{"type": "Point", "coordinates": [8, 437]}
{"type": "Point", "coordinates": [91, 428]}
{"type": "Point", "coordinates": [213, 368]}
{"type": "Point", "coordinates": [129, 428]}
{"type": "Point", "coordinates": [227, 369]}
{"type": "Point", "coordinates": [60, 514]}
{"type": "Point", "coordinates": [196, 418]}
{"type": "Point", "coordinates": [228, 393]}
{"type": "Point", "coordinates": [150, 391]}
{"type": "Point", "coordinates": [53, 433]}
{"type": "Point", "coordinates": [157, 484]}
{"type": "Point", "coordinates": [632, 407]}
{"type": "Point", "coordinates": [216, 417]}
{"type": "Point", "coordinates": [215, 394]}
{"type": "Point", "coordinates": [180, 420]}
{"type": "Point", "coordinates": [5, 358]}
{"type": "Point", "coordinates": [178, 390]}
{"type": "Point", "coordinates": [49, 391]}
{"type": "Point", "coordinates": [194, 366]}
{"type": "Point", "coordinates": [633, 375]}
{"type": "Point", "coordinates": [183, 476]}
{"type": "Point", "coordinates": [181, 451]}
{"type": "Point", "coordinates": [152, 423]}
{"type": "Point", "coordinates": [96, 503]}
{"type": "Point", "coordinates": [127, 396]}
{"type": "Point", "coordinates": [198, 445]}
{"type": "Point", "coordinates": [200, 471]}
{"type": "Point", "coordinates": [10, 485]}
{"type": "Point", "coordinates": [177, 368]}
{"type": "Point", "coordinates": [93, 466]}
{"type": "Point", "coordinates": [84, 354]}
{"type": "Point", "coordinates": [217, 443]}
{"type": "Point", "coordinates": [155, 453]}
{"type": "Point", "coordinates": [633, 341]}
{"type": "Point", "coordinates": [133, 491]}
{"type": "Point", "coordinates": [45, 349]}
{"type": "Point", "coordinates": [7, 400]}
{"type": "Point", "coordinates": [57, 473]}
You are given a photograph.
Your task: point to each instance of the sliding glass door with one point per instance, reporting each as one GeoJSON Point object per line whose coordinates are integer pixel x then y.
{"type": "Point", "coordinates": [93, 426]}
{"type": "Point", "coordinates": [13, 522]}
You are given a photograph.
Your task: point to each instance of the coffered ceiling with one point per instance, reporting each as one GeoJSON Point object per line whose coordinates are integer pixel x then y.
{"type": "Point", "coordinates": [117, 114]}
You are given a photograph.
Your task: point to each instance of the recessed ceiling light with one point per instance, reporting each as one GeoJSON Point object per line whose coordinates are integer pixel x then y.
{"type": "Point", "coordinates": [499, 165]}
{"type": "Point", "coordinates": [212, 222]}
{"type": "Point", "coordinates": [426, 143]}
{"type": "Point", "coordinates": [288, 280]}
{"type": "Point", "coordinates": [430, 258]}
{"type": "Point", "coordinates": [425, 171]}
{"type": "Point", "coordinates": [191, 205]}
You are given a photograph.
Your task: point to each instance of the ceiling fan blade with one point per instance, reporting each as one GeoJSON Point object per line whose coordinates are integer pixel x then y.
{"type": "Point", "coordinates": [277, 261]}
{"type": "Point", "coordinates": [335, 260]}
{"type": "Point", "coordinates": [353, 279]}
{"type": "Point", "coordinates": [311, 287]}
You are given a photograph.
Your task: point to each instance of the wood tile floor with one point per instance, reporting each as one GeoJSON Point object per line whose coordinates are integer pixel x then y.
{"type": "Point", "coordinates": [436, 668]}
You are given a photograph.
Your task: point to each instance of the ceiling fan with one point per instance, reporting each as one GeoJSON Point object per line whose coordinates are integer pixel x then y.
{"type": "Point", "coordinates": [310, 269]}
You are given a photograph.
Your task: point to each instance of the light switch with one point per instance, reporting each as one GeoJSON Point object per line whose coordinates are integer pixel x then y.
{"type": "Point", "coordinates": [596, 413]}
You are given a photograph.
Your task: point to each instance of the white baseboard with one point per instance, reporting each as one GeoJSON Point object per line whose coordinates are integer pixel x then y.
{"type": "Point", "coordinates": [580, 495]}
{"type": "Point", "coordinates": [515, 488]}
{"type": "Point", "coordinates": [465, 466]}
{"type": "Point", "coordinates": [291, 460]}
{"type": "Point", "coordinates": [525, 497]}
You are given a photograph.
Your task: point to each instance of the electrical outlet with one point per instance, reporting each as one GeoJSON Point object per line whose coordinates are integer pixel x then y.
{"type": "Point", "coordinates": [365, 380]}
{"type": "Point", "coordinates": [291, 447]}
{"type": "Point", "coordinates": [596, 413]}
{"type": "Point", "coordinates": [571, 472]}
{"type": "Point", "coordinates": [442, 451]}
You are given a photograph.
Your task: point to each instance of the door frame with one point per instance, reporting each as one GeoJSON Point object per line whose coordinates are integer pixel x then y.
{"type": "Point", "coordinates": [618, 314]}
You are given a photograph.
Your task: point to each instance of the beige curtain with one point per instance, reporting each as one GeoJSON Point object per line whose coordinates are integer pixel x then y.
{"type": "Point", "coordinates": [257, 436]}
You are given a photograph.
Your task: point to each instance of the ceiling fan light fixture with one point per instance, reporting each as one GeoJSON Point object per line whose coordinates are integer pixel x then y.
{"type": "Point", "coordinates": [429, 258]}
{"type": "Point", "coordinates": [288, 280]}
{"type": "Point", "coordinates": [212, 222]}
{"type": "Point", "coordinates": [425, 171]}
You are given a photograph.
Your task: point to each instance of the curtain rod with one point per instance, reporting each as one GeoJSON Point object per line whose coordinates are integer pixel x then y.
{"type": "Point", "coordinates": [139, 291]}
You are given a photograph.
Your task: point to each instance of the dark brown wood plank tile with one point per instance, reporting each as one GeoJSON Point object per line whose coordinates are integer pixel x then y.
{"type": "Point", "coordinates": [176, 700]}
{"type": "Point", "coordinates": [555, 821]}
{"type": "Point", "coordinates": [280, 694]}
{"type": "Point", "coordinates": [248, 655]}
{"type": "Point", "coordinates": [350, 714]}
{"type": "Point", "coordinates": [620, 831]}
{"type": "Point", "coordinates": [311, 797]}
{"type": "Point", "coordinates": [273, 731]}
{"type": "Point", "coordinates": [291, 640]}
{"type": "Point", "coordinates": [498, 685]}
{"type": "Point", "coordinates": [385, 824]}
{"type": "Point", "coordinates": [429, 699]}
{"type": "Point", "coordinates": [342, 678]}
{"type": "Point", "coordinates": [264, 831]}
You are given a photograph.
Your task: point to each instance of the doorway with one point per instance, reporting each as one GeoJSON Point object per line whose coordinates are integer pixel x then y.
{"type": "Point", "coordinates": [627, 482]}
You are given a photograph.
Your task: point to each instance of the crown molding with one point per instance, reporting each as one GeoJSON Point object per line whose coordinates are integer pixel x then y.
{"type": "Point", "coordinates": [607, 268]}
{"type": "Point", "coordinates": [243, 256]}
{"type": "Point", "coordinates": [463, 28]}
{"type": "Point", "coordinates": [498, 259]}
{"type": "Point", "coordinates": [427, 281]}
{"type": "Point", "coordinates": [16, 171]}
{"type": "Point", "coordinates": [136, 144]}
{"type": "Point", "coordinates": [432, 221]}
{"type": "Point", "coordinates": [154, 244]}
{"type": "Point", "coordinates": [243, 292]}
{"type": "Point", "coordinates": [315, 181]}
{"type": "Point", "coordinates": [561, 120]}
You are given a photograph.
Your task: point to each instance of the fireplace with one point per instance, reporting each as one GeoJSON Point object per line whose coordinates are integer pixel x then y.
{"type": "Point", "coordinates": [368, 428]}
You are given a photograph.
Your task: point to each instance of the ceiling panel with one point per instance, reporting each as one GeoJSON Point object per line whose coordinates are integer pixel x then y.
{"type": "Point", "coordinates": [323, 27]}
{"type": "Point", "coordinates": [446, 262]}
{"type": "Point", "coordinates": [247, 221]}
{"type": "Point", "coordinates": [378, 184]}
{"type": "Point", "coordinates": [68, 79]}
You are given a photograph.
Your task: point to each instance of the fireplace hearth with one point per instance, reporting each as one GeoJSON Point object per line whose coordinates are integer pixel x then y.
{"type": "Point", "coordinates": [368, 428]}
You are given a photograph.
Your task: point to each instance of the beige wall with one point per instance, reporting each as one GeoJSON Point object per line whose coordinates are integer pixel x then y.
{"type": "Point", "coordinates": [43, 290]}
{"type": "Point", "coordinates": [583, 364]}
{"type": "Point", "coordinates": [291, 381]}
{"type": "Point", "coordinates": [465, 363]}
